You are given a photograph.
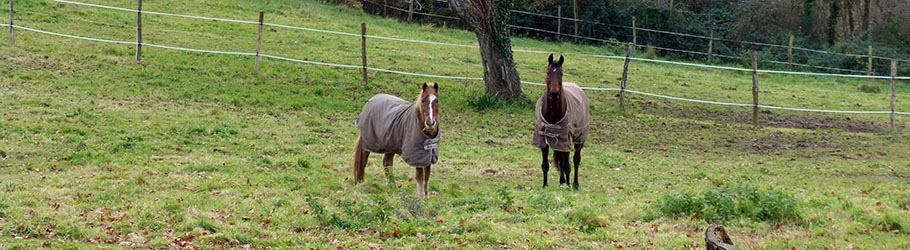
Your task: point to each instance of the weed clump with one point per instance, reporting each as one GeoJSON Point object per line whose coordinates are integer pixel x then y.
{"type": "Point", "coordinates": [587, 220]}
{"type": "Point", "coordinates": [732, 201]}
{"type": "Point", "coordinates": [485, 101]}
{"type": "Point", "coordinates": [869, 88]}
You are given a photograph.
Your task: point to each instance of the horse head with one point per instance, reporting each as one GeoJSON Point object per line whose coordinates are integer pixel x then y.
{"type": "Point", "coordinates": [428, 109]}
{"type": "Point", "coordinates": [554, 78]}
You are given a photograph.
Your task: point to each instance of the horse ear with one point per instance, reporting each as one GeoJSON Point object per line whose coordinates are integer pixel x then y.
{"type": "Point", "coordinates": [550, 60]}
{"type": "Point", "coordinates": [424, 86]}
{"type": "Point", "coordinates": [436, 87]}
{"type": "Point", "coordinates": [561, 59]}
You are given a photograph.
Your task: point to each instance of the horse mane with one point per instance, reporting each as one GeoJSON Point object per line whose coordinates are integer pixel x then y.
{"type": "Point", "coordinates": [418, 100]}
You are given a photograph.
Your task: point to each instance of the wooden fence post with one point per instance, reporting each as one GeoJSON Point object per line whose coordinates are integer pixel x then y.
{"type": "Point", "coordinates": [754, 89]}
{"type": "Point", "coordinates": [869, 64]}
{"type": "Point", "coordinates": [575, 13]}
{"type": "Point", "coordinates": [410, 9]}
{"type": "Point", "coordinates": [711, 46]}
{"type": "Point", "coordinates": [634, 35]}
{"type": "Point", "coordinates": [363, 49]}
{"type": "Point", "coordinates": [139, 33]}
{"type": "Point", "coordinates": [790, 54]}
{"type": "Point", "coordinates": [385, 6]}
{"type": "Point", "coordinates": [558, 23]}
{"type": "Point", "coordinates": [893, 95]}
{"type": "Point", "coordinates": [625, 74]}
{"type": "Point", "coordinates": [259, 40]}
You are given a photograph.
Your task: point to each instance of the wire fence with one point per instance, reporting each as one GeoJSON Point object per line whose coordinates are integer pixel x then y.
{"type": "Point", "coordinates": [464, 45]}
{"type": "Point", "coordinates": [674, 50]}
{"type": "Point", "coordinates": [893, 112]}
{"type": "Point", "coordinates": [708, 37]}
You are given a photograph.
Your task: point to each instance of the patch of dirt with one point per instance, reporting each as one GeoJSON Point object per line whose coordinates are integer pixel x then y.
{"type": "Point", "coordinates": [772, 118]}
{"type": "Point", "coordinates": [778, 142]}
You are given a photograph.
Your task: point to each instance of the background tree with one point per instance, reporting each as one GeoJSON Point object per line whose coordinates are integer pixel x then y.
{"type": "Point", "coordinates": [489, 21]}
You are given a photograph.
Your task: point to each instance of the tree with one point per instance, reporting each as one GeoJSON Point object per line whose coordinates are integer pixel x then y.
{"type": "Point", "coordinates": [832, 21]}
{"type": "Point", "coordinates": [489, 20]}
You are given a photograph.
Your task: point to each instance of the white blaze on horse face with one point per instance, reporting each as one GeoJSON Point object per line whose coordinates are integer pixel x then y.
{"type": "Point", "coordinates": [432, 118]}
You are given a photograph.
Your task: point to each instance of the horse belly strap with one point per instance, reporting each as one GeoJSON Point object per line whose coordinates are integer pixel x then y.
{"type": "Point", "coordinates": [389, 124]}
{"type": "Point", "coordinates": [572, 129]}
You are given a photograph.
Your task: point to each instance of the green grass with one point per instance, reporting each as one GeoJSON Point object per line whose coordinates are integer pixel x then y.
{"type": "Point", "coordinates": [191, 149]}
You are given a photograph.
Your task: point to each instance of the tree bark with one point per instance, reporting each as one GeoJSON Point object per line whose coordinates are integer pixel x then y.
{"type": "Point", "coordinates": [833, 15]}
{"type": "Point", "coordinates": [850, 27]}
{"type": "Point", "coordinates": [866, 9]}
{"type": "Point", "coordinates": [489, 20]}
{"type": "Point", "coordinates": [809, 20]}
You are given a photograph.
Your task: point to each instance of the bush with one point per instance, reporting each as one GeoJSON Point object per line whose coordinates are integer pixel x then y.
{"type": "Point", "coordinates": [869, 88]}
{"type": "Point", "coordinates": [587, 220]}
{"type": "Point", "coordinates": [731, 201]}
{"type": "Point", "coordinates": [892, 222]}
{"type": "Point", "coordinates": [505, 199]}
{"type": "Point", "coordinates": [483, 101]}
{"type": "Point", "coordinates": [650, 53]}
{"type": "Point", "coordinates": [675, 204]}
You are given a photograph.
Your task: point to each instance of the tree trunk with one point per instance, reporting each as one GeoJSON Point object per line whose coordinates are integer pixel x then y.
{"type": "Point", "coordinates": [809, 20]}
{"type": "Point", "coordinates": [832, 21]}
{"type": "Point", "coordinates": [866, 8]}
{"type": "Point", "coordinates": [489, 20]}
{"type": "Point", "coordinates": [850, 28]}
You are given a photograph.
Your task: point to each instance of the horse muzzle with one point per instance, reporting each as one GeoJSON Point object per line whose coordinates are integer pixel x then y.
{"type": "Point", "coordinates": [553, 95]}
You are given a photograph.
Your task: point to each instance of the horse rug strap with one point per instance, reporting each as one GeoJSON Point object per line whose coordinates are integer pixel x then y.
{"type": "Point", "coordinates": [388, 124]}
{"type": "Point", "coordinates": [572, 129]}
{"type": "Point", "coordinates": [432, 147]}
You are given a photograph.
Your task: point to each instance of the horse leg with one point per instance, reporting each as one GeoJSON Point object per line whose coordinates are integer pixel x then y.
{"type": "Point", "coordinates": [562, 160]}
{"type": "Point", "coordinates": [426, 182]}
{"type": "Point", "coordinates": [418, 176]}
{"type": "Point", "coordinates": [387, 160]}
{"type": "Point", "coordinates": [577, 160]}
{"type": "Point", "coordinates": [545, 165]}
{"type": "Point", "coordinates": [360, 161]}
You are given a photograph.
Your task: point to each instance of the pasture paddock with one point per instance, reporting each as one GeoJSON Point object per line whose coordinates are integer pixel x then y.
{"type": "Point", "coordinates": [97, 149]}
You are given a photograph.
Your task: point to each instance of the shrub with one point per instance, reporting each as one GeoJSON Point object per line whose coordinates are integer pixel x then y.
{"type": "Point", "coordinates": [505, 199]}
{"type": "Point", "coordinates": [650, 53]}
{"type": "Point", "coordinates": [869, 88]}
{"type": "Point", "coordinates": [731, 201]}
{"type": "Point", "coordinates": [587, 220]}
{"type": "Point", "coordinates": [484, 101]}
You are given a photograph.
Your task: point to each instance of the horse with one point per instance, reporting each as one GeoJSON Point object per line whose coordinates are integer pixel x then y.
{"type": "Point", "coordinates": [390, 125]}
{"type": "Point", "coordinates": [562, 119]}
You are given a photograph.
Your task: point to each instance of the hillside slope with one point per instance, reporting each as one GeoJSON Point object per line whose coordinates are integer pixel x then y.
{"type": "Point", "coordinates": [191, 149]}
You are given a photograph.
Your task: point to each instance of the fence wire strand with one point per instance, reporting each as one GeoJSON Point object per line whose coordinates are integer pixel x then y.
{"type": "Point", "coordinates": [524, 82]}
{"type": "Point", "coordinates": [540, 30]}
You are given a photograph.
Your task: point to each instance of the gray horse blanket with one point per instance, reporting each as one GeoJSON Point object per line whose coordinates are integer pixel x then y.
{"type": "Point", "coordinates": [389, 124]}
{"type": "Point", "coordinates": [572, 129]}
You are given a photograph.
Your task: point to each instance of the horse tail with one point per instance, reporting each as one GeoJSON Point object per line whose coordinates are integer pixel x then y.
{"type": "Point", "coordinates": [360, 161]}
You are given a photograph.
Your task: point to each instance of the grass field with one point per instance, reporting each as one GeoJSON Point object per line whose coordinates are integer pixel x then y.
{"type": "Point", "coordinates": [196, 150]}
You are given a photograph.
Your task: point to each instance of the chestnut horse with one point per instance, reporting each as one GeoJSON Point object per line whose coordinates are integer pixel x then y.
{"type": "Point", "coordinates": [562, 121]}
{"type": "Point", "coordinates": [390, 125]}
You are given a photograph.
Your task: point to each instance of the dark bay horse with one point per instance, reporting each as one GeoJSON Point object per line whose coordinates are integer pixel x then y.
{"type": "Point", "coordinates": [390, 125]}
{"type": "Point", "coordinates": [562, 121]}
